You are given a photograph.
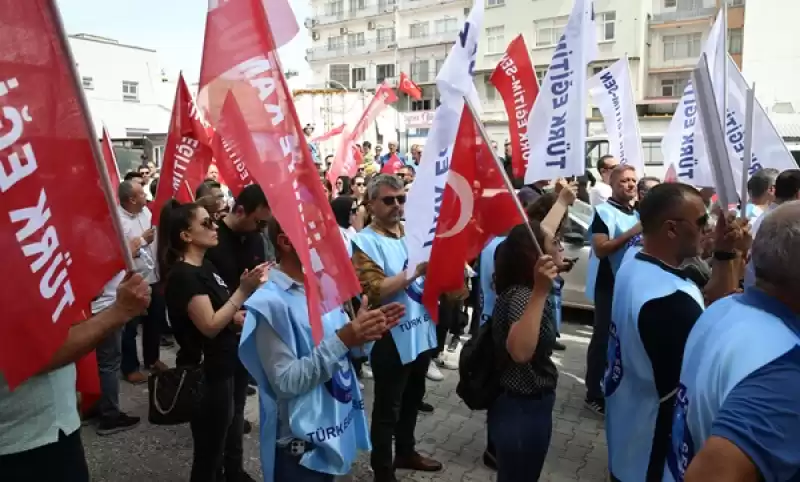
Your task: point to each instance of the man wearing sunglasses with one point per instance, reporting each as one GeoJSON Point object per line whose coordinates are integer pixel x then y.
{"type": "Point", "coordinates": [400, 358]}
{"type": "Point", "coordinates": [655, 306]}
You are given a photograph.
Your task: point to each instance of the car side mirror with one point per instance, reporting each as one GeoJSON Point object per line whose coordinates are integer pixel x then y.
{"type": "Point", "coordinates": [574, 238]}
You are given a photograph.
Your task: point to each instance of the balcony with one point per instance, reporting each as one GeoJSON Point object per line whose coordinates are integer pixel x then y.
{"type": "Point", "coordinates": [407, 5]}
{"type": "Point", "coordinates": [366, 10]}
{"type": "Point", "coordinates": [367, 47]}
{"type": "Point", "coordinates": [429, 39]}
{"type": "Point", "coordinates": [683, 15]}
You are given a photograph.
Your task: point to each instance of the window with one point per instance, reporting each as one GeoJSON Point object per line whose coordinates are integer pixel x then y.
{"type": "Point", "coordinates": [491, 92]}
{"type": "Point", "coordinates": [606, 26]}
{"type": "Point", "coordinates": [424, 104]}
{"type": "Point", "coordinates": [495, 40]}
{"type": "Point", "coordinates": [735, 40]}
{"type": "Point", "coordinates": [446, 25]}
{"type": "Point", "coordinates": [130, 91]}
{"type": "Point", "coordinates": [339, 74]}
{"type": "Point", "coordinates": [495, 3]}
{"type": "Point", "coordinates": [136, 131]}
{"type": "Point", "coordinates": [735, 3]}
{"type": "Point", "coordinates": [652, 153]}
{"type": "Point", "coordinates": [549, 31]}
{"type": "Point", "coordinates": [540, 73]}
{"type": "Point", "coordinates": [689, 5]}
{"type": "Point", "coordinates": [439, 65]}
{"type": "Point", "coordinates": [673, 87]}
{"type": "Point", "coordinates": [682, 46]}
{"type": "Point", "coordinates": [597, 69]}
{"type": "Point", "coordinates": [386, 5]}
{"type": "Point", "coordinates": [356, 5]}
{"type": "Point", "coordinates": [336, 43]}
{"type": "Point", "coordinates": [418, 30]}
{"type": "Point", "coordinates": [334, 8]}
{"type": "Point", "coordinates": [359, 75]}
{"type": "Point", "coordinates": [87, 83]}
{"type": "Point", "coordinates": [420, 71]}
{"type": "Point", "coordinates": [596, 112]}
{"type": "Point", "coordinates": [385, 36]}
{"type": "Point", "coordinates": [670, 3]}
{"type": "Point", "coordinates": [384, 71]}
{"type": "Point", "coordinates": [355, 40]}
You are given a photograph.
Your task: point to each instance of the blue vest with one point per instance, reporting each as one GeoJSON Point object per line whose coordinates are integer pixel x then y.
{"type": "Point", "coordinates": [736, 336]}
{"type": "Point", "coordinates": [617, 222]}
{"type": "Point", "coordinates": [486, 271]}
{"type": "Point", "coordinates": [331, 416]}
{"type": "Point", "coordinates": [556, 297]}
{"type": "Point", "coordinates": [415, 333]}
{"type": "Point", "coordinates": [632, 400]}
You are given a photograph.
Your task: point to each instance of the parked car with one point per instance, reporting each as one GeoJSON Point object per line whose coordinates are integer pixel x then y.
{"type": "Point", "coordinates": [577, 245]}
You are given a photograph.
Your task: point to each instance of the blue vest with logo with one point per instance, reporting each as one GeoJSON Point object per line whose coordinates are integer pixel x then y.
{"type": "Point", "coordinates": [331, 416]}
{"type": "Point", "coordinates": [415, 333]}
{"type": "Point", "coordinates": [736, 336]}
{"type": "Point", "coordinates": [632, 400]}
{"type": "Point", "coordinates": [557, 298]}
{"type": "Point", "coordinates": [487, 293]}
{"type": "Point", "coordinates": [618, 222]}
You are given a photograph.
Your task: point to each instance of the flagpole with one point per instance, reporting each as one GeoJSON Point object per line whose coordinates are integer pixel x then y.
{"type": "Point", "coordinates": [105, 180]}
{"type": "Point", "coordinates": [748, 147]}
{"type": "Point", "coordinates": [724, 113]}
{"type": "Point", "coordinates": [506, 180]}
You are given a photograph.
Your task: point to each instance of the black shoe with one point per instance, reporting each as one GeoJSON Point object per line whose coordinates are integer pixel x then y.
{"type": "Point", "coordinates": [558, 346]}
{"type": "Point", "coordinates": [489, 460]}
{"type": "Point", "coordinates": [251, 381]}
{"type": "Point", "coordinates": [120, 423]}
{"type": "Point", "coordinates": [597, 406]}
{"type": "Point", "coordinates": [166, 342]}
{"type": "Point", "coordinates": [247, 427]}
{"type": "Point", "coordinates": [425, 407]}
{"type": "Point", "coordinates": [251, 391]}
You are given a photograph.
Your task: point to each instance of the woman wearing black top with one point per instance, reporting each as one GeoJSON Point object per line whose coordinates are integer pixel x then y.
{"type": "Point", "coordinates": [202, 312]}
{"type": "Point", "coordinates": [521, 419]}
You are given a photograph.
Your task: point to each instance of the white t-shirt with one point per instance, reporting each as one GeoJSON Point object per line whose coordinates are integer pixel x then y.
{"type": "Point", "coordinates": [599, 193]}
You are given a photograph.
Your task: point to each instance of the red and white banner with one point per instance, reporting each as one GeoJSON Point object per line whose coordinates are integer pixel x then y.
{"type": "Point", "coordinates": [408, 87]}
{"type": "Point", "coordinates": [229, 155]}
{"type": "Point", "coordinates": [111, 160]}
{"type": "Point", "coordinates": [276, 153]}
{"type": "Point", "coordinates": [331, 133]}
{"type": "Point", "coordinates": [515, 80]}
{"type": "Point", "coordinates": [476, 206]}
{"type": "Point", "coordinates": [187, 153]}
{"type": "Point", "coordinates": [344, 164]}
{"type": "Point", "coordinates": [392, 165]}
{"type": "Point", "coordinates": [57, 235]}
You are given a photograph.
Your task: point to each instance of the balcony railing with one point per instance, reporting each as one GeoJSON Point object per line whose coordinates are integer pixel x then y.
{"type": "Point", "coordinates": [430, 39]}
{"type": "Point", "coordinates": [683, 15]}
{"type": "Point", "coordinates": [415, 4]}
{"type": "Point", "coordinates": [352, 12]}
{"type": "Point", "coordinates": [373, 45]}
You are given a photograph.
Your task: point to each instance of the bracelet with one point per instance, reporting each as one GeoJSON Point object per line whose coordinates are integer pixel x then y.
{"type": "Point", "coordinates": [234, 304]}
{"type": "Point", "coordinates": [724, 255]}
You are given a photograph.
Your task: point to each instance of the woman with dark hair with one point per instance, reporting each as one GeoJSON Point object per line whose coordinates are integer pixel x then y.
{"type": "Point", "coordinates": [344, 210]}
{"type": "Point", "coordinates": [521, 419]}
{"type": "Point", "coordinates": [203, 314]}
{"type": "Point", "coordinates": [326, 186]}
{"type": "Point", "coordinates": [343, 186]}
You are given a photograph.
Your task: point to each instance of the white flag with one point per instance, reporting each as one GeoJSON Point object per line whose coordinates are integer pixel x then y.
{"type": "Point", "coordinates": [454, 81]}
{"type": "Point", "coordinates": [612, 92]}
{"type": "Point", "coordinates": [557, 123]}
{"type": "Point", "coordinates": [684, 143]}
{"type": "Point", "coordinates": [769, 150]}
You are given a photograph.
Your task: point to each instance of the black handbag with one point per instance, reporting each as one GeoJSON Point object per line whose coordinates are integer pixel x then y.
{"type": "Point", "coordinates": [173, 395]}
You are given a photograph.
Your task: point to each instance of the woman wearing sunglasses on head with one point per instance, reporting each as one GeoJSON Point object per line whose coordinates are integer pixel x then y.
{"type": "Point", "coordinates": [203, 313]}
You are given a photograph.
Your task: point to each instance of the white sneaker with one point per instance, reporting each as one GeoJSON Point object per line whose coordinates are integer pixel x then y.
{"type": "Point", "coordinates": [434, 374]}
{"type": "Point", "coordinates": [366, 371]}
{"type": "Point", "coordinates": [360, 385]}
{"type": "Point", "coordinates": [447, 362]}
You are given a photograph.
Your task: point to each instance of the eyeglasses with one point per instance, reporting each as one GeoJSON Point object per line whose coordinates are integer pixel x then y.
{"type": "Point", "coordinates": [208, 223]}
{"type": "Point", "coordinates": [390, 200]}
{"type": "Point", "coordinates": [353, 210]}
{"type": "Point", "coordinates": [359, 184]}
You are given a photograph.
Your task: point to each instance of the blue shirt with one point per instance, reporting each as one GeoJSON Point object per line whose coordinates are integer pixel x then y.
{"type": "Point", "coordinates": [386, 157]}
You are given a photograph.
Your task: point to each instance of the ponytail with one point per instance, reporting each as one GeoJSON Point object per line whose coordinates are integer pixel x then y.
{"type": "Point", "coordinates": [175, 218]}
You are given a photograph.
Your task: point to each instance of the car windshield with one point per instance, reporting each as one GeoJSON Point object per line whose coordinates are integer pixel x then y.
{"type": "Point", "coordinates": [581, 213]}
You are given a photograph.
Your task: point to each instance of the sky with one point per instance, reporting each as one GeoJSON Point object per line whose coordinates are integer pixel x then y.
{"type": "Point", "coordinates": [174, 28]}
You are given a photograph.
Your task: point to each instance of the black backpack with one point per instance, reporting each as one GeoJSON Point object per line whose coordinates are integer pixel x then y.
{"type": "Point", "coordinates": [478, 370]}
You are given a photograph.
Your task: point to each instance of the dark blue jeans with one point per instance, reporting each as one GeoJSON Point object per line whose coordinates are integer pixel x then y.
{"type": "Point", "coordinates": [152, 324]}
{"type": "Point", "coordinates": [520, 430]}
{"type": "Point", "coordinates": [287, 467]}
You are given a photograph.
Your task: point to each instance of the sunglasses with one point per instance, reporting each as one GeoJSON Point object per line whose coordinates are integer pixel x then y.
{"type": "Point", "coordinates": [208, 223]}
{"type": "Point", "coordinates": [353, 210]}
{"type": "Point", "coordinates": [390, 200]}
{"type": "Point", "coordinates": [359, 184]}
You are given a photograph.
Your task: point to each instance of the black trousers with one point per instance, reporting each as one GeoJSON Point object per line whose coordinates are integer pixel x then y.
{"type": "Point", "coordinates": [398, 392]}
{"type": "Point", "coordinates": [217, 428]}
{"type": "Point", "coordinates": [60, 461]}
{"type": "Point", "coordinates": [596, 354]}
{"type": "Point", "coordinates": [153, 323]}
{"type": "Point", "coordinates": [450, 316]}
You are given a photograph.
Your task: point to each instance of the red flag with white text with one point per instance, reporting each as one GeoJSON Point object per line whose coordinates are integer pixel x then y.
{"type": "Point", "coordinates": [476, 206]}
{"type": "Point", "coordinates": [187, 153]}
{"type": "Point", "coordinates": [515, 80]}
{"type": "Point", "coordinates": [408, 87]}
{"type": "Point", "coordinates": [110, 159]}
{"type": "Point", "coordinates": [271, 143]}
{"type": "Point", "coordinates": [57, 236]}
{"type": "Point", "coordinates": [344, 162]}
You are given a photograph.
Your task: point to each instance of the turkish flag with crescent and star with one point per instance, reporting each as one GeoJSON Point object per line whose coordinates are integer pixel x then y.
{"type": "Point", "coordinates": [476, 206]}
{"type": "Point", "coordinates": [408, 87]}
{"type": "Point", "coordinates": [266, 134]}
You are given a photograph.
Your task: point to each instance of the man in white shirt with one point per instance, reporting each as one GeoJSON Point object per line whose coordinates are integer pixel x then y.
{"type": "Point", "coordinates": [601, 191]}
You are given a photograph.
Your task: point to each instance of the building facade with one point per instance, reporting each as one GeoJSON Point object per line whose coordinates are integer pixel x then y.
{"type": "Point", "coordinates": [357, 44]}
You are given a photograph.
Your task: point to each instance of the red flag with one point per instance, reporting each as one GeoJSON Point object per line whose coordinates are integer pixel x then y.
{"type": "Point", "coordinates": [111, 159]}
{"type": "Point", "coordinates": [344, 163]}
{"type": "Point", "coordinates": [275, 151]}
{"type": "Point", "coordinates": [229, 156]}
{"type": "Point", "coordinates": [57, 235]}
{"type": "Point", "coordinates": [408, 87]}
{"type": "Point", "coordinates": [516, 81]}
{"type": "Point", "coordinates": [671, 174]}
{"type": "Point", "coordinates": [476, 206]}
{"type": "Point", "coordinates": [331, 133]}
{"type": "Point", "coordinates": [392, 165]}
{"type": "Point", "coordinates": [87, 381]}
{"type": "Point", "coordinates": [187, 153]}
